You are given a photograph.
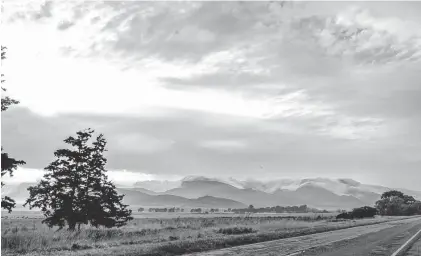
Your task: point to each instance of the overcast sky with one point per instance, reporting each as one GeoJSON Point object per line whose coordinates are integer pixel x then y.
{"type": "Point", "coordinates": [250, 89]}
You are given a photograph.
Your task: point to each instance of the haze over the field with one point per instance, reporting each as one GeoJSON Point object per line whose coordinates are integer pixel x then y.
{"type": "Point", "coordinates": [249, 89]}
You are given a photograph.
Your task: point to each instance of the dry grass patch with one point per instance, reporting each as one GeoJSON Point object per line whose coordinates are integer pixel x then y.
{"type": "Point", "coordinates": [155, 236]}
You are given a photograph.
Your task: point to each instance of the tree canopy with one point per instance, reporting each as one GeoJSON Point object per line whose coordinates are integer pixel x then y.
{"type": "Point", "coordinates": [76, 190]}
{"type": "Point", "coordinates": [395, 203]}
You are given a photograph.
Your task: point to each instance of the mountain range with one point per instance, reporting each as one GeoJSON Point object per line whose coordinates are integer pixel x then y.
{"type": "Point", "coordinates": [199, 191]}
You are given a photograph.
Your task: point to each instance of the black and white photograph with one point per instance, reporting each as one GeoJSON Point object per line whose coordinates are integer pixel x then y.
{"type": "Point", "coordinates": [210, 128]}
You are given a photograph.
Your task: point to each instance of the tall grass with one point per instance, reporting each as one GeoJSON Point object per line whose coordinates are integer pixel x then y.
{"type": "Point", "coordinates": [21, 236]}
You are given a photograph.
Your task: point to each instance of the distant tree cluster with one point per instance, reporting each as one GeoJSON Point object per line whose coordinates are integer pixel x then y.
{"type": "Point", "coordinates": [158, 209]}
{"type": "Point", "coordinates": [275, 209]}
{"type": "Point", "coordinates": [177, 209]}
{"type": "Point", "coordinates": [197, 210]}
{"type": "Point", "coordinates": [396, 203]}
{"type": "Point", "coordinates": [173, 209]}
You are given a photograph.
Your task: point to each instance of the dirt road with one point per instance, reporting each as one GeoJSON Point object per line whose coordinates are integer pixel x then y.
{"type": "Point", "coordinates": [374, 240]}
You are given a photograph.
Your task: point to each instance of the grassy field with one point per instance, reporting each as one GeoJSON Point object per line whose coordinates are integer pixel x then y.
{"type": "Point", "coordinates": [149, 234]}
{"type": "Point", "coordinates": [25, 214]}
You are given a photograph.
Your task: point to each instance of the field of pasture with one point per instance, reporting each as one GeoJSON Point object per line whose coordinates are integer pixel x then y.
{"type": "Point", "coordinates": [22, 214]}
{"type": "Point", "coordinates": [162, 233]}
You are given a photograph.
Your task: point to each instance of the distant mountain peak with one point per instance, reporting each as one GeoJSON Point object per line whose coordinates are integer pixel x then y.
{"type": "Point", "coordinates": [229, 181]}
{"type": "Point", "coordinates": [350, 182]}
{"type": "Point", "coordinates": [196, 178]}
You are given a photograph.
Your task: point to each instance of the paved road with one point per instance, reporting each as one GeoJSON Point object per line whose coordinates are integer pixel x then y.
{"type": "Point", "coordinates": [374, 240]}
{"type": "Point", "coordinates": [415, 250]}
{"type": "Point", "coordinates": [382, 243]}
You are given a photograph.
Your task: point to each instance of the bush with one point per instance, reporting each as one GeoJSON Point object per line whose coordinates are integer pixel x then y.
{"type": "Point", "coordinates": [344, 215]}
{"type": "Point", "coordinates": [364, 212]}
{"type": "Point", "coordinates": [358, 213]}
{"type": "Point", "coordinates": [235, 231]}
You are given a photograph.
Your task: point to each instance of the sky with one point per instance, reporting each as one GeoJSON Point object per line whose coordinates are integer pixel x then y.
{"type": "Point", "coordinates": [260, 90]}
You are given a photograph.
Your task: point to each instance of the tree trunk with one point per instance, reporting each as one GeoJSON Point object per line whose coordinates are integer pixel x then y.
{"type": "Point", "coordinates": [72, 225]}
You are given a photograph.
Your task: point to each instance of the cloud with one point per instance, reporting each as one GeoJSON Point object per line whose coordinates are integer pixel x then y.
{"type": "Point", "coordinates": [285, 147]}
{"type": "Point", "coordinates": [304, 87]}
{"type": "Point", "coordinates": [139, 143]}
{"type": "Point", "coordinates": [229, 145]}
{"type": "Point", "coordinates": [120, 177]}
{"type": "Point", "coordinates": [357, 33]}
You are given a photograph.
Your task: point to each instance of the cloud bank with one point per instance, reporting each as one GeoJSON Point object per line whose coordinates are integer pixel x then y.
{"type": "Point", "coordinates": [192, 88]}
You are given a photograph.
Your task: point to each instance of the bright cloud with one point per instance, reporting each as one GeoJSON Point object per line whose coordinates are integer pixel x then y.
{"type": "Point", "coordinates": [223, 144]}
{"type": "Point", "coordinates": [121, 177]}
{"type": "Point", "coordinates": [328, 87]}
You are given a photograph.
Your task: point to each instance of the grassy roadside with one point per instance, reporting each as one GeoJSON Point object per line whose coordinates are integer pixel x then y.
{"type": "Point", "coordinates": [196, 244]}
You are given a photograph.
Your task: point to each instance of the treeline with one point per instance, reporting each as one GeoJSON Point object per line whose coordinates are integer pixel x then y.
{"type": "Point", "coordinates": [250, 209]}
{"type": "Point", "coordinates": [279, 209]}
{"type": "Point", "coordinates": [391, 203]}
{"type": "Point", "coordinates": [212, 210]}
{"type": "Point", "coordinates": [173, 209]}
{"type": "Point", "coordinates": [177, 209]}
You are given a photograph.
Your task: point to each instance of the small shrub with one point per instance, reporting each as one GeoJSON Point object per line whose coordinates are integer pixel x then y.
{"type": "Point", "coordinates": [77, 246]}
{"type": "Point", "coordinates": [235, 231]}
{"type": "Point", "coordinates": [344, 215]}
{"type": "Point", "coordinates": [206, 223]}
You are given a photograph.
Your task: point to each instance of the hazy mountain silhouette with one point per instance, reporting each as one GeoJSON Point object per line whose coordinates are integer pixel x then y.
{"type": "Point", "coordinates": [196, 191]}
{"type": "Point", "coordinates": [138, 198]}
{"type": "Point", "coordinates": [195, 188]}
{"type": "Point", "coordinates": [157, 185]}
{"type": "Point", "coordinates": [311, 195]}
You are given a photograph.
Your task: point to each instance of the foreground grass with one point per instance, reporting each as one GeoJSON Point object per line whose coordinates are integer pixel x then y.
{"type": "Point", "coordinates": [163, 236]}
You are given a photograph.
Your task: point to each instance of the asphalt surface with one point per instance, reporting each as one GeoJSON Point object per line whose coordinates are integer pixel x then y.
{"type": "Point", "coordinates": [374, 240]}
{"type": "Point", "coordinates": [415, 250]}
{"type": "Point", "coordinates": [382, 243]}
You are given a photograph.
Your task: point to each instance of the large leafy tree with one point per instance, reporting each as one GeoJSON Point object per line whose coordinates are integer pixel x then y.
{"type": "Point", "coordinates": [392, 193]}
{"type": "Point", "coordinates": [393, 203]}
{"type": "Point", "coordinates": [8, 164]}
{"type": "Point", "coordinates": [75, 189]}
